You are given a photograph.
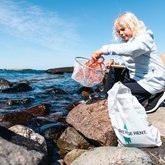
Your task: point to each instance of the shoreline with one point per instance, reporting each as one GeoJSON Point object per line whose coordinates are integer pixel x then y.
{"type": "Point", "coordinates": [16, 69]}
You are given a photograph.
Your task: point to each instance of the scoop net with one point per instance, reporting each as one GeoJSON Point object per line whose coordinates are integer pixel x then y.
{"type": "Point", "coordinates": [87, 72]}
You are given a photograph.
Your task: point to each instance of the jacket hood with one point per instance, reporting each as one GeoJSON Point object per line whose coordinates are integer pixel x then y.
{"type": "Point", "coordinates": [150, 33]}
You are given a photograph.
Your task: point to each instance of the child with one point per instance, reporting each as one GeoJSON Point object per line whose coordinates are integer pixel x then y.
{"type": "Point", "coordinates": [144, 72]}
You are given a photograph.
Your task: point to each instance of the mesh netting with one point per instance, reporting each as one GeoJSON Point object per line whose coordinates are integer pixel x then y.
{"type": "Point", "coordinates": [87, 72]}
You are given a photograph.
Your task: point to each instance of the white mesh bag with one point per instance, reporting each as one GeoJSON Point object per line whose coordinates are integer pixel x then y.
{"type": "Point", "coordinates": [87, 72]}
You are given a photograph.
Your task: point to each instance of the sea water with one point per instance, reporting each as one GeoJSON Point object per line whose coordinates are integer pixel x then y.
{"type": "Point", "coordinates": [41, 82]}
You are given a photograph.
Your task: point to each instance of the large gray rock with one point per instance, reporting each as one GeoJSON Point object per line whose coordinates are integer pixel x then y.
{"type": "Point", "coordinates": [16, 149]}
{"type": "Point", "coordinates": [113, 156]}
{"type": "Point", "coordinates": [93, 121]}
{"type": "Point", "coordinates": [16, 154]}
{"type": "Point", "coordinates": [30, 134]}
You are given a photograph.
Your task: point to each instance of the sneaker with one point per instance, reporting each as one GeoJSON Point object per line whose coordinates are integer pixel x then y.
{"type": "Point", "coordinates": [154, 103]}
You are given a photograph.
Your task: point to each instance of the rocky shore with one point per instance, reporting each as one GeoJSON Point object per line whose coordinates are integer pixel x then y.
{"type": "Point", "coordinates": [87, 138]}
{"type": "Point", "coordinates": [82, 136]}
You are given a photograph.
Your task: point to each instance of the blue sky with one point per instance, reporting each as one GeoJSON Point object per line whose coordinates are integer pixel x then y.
{"type": "Point", "coordinates": [44, 34]}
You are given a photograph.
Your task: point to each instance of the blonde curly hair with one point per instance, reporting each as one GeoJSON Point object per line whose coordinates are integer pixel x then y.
{"type": "Point", "coordinates": [129, 20]}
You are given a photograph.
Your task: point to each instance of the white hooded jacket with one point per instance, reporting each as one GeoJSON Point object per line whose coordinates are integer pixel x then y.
{"type": "Point", "coordinates": [140, 56]}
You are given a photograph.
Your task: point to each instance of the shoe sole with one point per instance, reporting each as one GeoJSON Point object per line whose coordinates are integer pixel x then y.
{"type": "Point", "coordinates": [158, 103]}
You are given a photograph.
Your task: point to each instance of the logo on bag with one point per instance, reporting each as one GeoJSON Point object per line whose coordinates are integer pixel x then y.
{"type": "Point", "coordinates": [127, 140]}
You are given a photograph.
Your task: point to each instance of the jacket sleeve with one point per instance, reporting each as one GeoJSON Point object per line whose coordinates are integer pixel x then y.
{"type": "Point", "coordinates": [134, 47]}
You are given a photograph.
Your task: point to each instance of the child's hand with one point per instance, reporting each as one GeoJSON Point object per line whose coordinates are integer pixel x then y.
{"type": "Point", "coordinates": [109, 63]}
{"type": "Point", "coordinates": [96, 55]}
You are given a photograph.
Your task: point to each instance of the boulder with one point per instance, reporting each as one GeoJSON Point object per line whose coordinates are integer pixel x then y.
{"type": "Point", "coordinates": [70, 139]}
{"type": "Point", "coordinates": [29, 133]}
{"type": "Point", "coordinates": [40, 110]}
{"type": "Point", "coordinates": [16, 117]}
{"type": "Point", "coordinates": [51, 131]}
{"type": "Point", "coordinates": [113, 155]}
{"type": "Point", "coordinates": [92, 120]}
{"type": "Point", "coordinates": [85, 91]}
{"type": "Point", "coordinates": [21, 87]}
{"type": "Point", "coordinates": [17, 149]}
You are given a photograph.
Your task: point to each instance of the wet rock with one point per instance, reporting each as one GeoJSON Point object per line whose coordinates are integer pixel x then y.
{"type": "Point", "coordinates": [52, 152]}
{"type": "Point", "coordinates": [100, 88]}
{"type": "Point", "coordinates": [6, 124]}
{"type": "Point", "coordinates": [95, 98]}
{"type": "Point", "coordinates": [113, 155]}
{"type": "Point", "coordinates": [4, 84]}
{"type": "Point", "coordinates": [62, 121]}
{"type": "Point", "coordinates": [51, 131]}
{"type": "Point", "coordinates": [92, 120]}
{"type": "Point", "coordinates": [16, 102]}
{"type": "Point", "coordinates": [57, 116]}
{"type": "Point", "coordinates": [16, 149]}
{"type": "Point", "coordinates": [85, 91]}
{"type": "Point", "coordinates": [72, 105]}
{"type": "Point", "coordinates": [21, 87]}
{"type": "Point", "coordinates": [85, 94]}
{"type": "Point", "coordinates": [16, 117]}
{"type": "Point", "coordinates": [29, 133]}
{"type": "Point", "coordinates": [72, 155]}
{"type": "Point", "coordinates": [40, 110]}
{"type": "Point", "coordinates": [35, 123]}
{"type": "Point", "coordinates": [60, 70]}
{"type": "Point", "coordinates": [55, 91]}
{"type": "Point", "coordinates": [70, 139]}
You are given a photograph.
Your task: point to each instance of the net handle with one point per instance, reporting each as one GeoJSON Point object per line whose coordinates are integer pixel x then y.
{"type": "Point", "coordinates": [101, 57]}
{"type": "Point", "coordinates": [94, 64]}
